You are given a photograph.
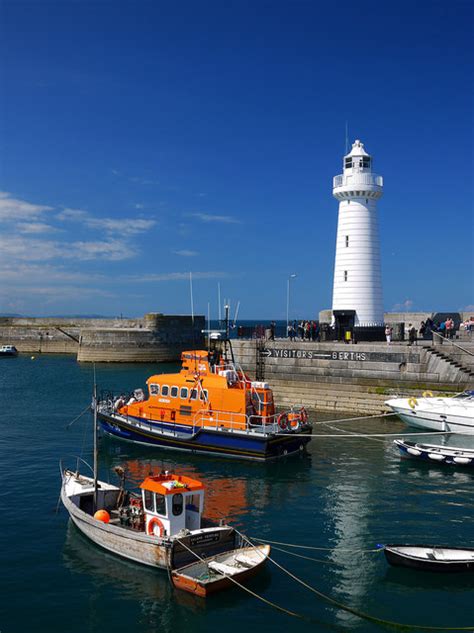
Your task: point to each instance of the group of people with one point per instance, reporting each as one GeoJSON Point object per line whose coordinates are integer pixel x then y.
{"type": "Point", "coordinates": [446, 328]}
{"type": "Point", "coordinates": [304, 330]}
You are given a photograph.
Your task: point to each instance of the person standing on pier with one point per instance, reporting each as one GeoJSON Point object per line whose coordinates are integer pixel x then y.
{"type": "Point", "coordinates": [388, 334]}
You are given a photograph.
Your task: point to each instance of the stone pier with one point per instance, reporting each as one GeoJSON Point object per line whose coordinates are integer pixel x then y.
{"type": "Point", "coordinates": [338, 377]}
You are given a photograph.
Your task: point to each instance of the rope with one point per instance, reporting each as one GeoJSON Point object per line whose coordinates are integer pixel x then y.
{"type": "Point", "coordinates": [356, 612]}
{"type": "Point", "coordinates": [401, 434]}
{"type": "Point", "coordinates": [320, 549]}
{"type": "Point", "coordinates": [358, 418]}
{"type": "Point", "coordinates": [79, 416]}
{"type": "Point", "coordinates": [316, 560]}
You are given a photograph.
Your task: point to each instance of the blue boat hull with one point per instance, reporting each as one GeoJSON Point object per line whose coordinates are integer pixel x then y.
{"type": "Point", "coordinates": [243, 445]}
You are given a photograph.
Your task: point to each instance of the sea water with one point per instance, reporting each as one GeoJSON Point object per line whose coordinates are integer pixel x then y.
{"type": "Point", "coordinates": [346, 495]}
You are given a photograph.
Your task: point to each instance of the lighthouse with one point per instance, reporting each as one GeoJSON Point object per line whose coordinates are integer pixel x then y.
{"type": "Point", "coordinates": [357, 291]}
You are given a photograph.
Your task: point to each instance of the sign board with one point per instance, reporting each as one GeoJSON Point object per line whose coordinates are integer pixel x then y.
{"type": "Point", "coordinates": [340, 355]}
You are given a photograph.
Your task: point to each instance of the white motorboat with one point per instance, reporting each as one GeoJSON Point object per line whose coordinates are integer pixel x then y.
{"type": "Point", "coordinates": [451, 415]}
{"type": "Point", "coordinates": [8, 350]}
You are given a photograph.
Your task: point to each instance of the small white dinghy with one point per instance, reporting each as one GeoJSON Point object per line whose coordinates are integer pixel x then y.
{"type": "Point", "coordinates": [431, 557]}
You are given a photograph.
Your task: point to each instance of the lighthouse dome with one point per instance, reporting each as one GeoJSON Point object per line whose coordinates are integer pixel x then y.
{"type": "Point", "coordinates": [357, 149]}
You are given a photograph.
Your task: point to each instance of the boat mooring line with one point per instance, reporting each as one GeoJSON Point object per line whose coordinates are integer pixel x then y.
{"type": "Point", "coordinates": [372, 434]}
{"type": "Point", "coordinates": [358, 418]}
{"type": "Point", "coordinates": [316, 560]}
{"type": "Point", "coordinates": [321, 549]}
{"type": "Point", "coordinates": [79, 416]}
{"type": "Point", "coordinates": [356, 612]}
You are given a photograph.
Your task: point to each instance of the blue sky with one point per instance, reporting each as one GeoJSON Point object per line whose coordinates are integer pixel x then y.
{"type": "Point", "coordinates": [143, 140]}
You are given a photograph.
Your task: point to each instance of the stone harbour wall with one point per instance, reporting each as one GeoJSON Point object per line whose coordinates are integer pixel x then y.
{"type": "Point", "coordinates": [153, 338]}
{"type": "Point", "coordinates": [335, 376]}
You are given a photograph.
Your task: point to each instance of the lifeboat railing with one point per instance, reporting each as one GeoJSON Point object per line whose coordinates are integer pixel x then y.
{"type": "Point", "coordinates": [236, 421]}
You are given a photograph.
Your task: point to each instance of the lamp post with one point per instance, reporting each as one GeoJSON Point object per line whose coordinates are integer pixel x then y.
{"type": "Point", "coordinates": [292, 276]}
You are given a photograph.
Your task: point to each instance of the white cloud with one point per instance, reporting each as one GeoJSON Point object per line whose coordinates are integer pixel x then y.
{"type": "Point", "coordinates": [185, 253]}
{"type": "Point", "coordinates": [206, 217]}
{"type": "Point", "coordinates": [31, 249]}
{"type": "Point", "coordinates": [22, 273]}
{"type": "Point", "coordinates": [122, 226]}
{"type": "Point", "coordinates": [152, 277]}
{"type": "Point", "coordinates": [75, 215]}
{"type": "Point", "coordinates": [14, 209]}
{"type": "Point", "coordinates": [36, 227]}
{"type": "Point", "coordinates": [405, 306]}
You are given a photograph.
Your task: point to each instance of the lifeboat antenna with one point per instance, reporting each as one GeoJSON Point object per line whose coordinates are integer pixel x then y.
{"type": "Point", "coordinates": [219, 301]}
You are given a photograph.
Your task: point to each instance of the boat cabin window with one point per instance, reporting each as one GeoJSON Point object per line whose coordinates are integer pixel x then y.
{"type": "Point", "coordinates": [177, 506]}
{"type": "Point", "coordinates": [194, 394]}
{"type": "Point", "coordinates": [165, 390]}
{"type": "Point", "coordinates": [154, 390]}
{"type": "Point", "coordinates": [184, 393]}
{"type": "Point", "coordinates": [160, 504]}
{"type": "Point", "coordinates": [192, 503]}
{"type": "Point", "coordinates": [203, 395]}
{"type": "Point", "coordinates": [174, 392]}
{"type": "Point", "coordinates": [148, 500]}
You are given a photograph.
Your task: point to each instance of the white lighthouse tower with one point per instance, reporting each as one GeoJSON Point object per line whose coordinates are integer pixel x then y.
{"type": "Point", "coordinates": [357, 275]}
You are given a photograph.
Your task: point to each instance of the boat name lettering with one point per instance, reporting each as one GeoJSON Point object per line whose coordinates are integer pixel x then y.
{"type": "Point", "coordinates": [204, 538]}
{"type": "Point", "coordinates": [164, 400]}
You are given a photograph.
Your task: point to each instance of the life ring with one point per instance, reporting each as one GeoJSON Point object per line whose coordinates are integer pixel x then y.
{"type": "Point", "coordinates": [283, 421]}
{"type": "Point", "coordinates": [427, 394]}
{"type": "Point", "coordinates": [412, 402]}
{"type": "Point", "coordinates": [294, 425]}
{"type": "Point", "coordinates": [150, 528]}
{"type": "Point", "coordinates": [303, 415]}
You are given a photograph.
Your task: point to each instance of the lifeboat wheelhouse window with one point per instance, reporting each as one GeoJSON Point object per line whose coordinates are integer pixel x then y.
{"type": "Point", "coordinates": [177, 505]}
{"type": "Point", "coordinates": [194, 394]}
{"type": "Point", "coordinates": [165, 390]}
{"type": "Point", "coordinates": [174, 392]}
{"type": "Point", "coordinates": [203, 395]}
{"type": "Point", "coordinates": [183, 393]}
{"type": "Point", "coordinates": [154, 390]}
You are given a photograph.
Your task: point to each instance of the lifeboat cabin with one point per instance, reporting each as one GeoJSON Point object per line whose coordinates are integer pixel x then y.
{"type": "Point", "coordinates": [203, 392]}
{"type": "Point", "coordinates": [171, 503]}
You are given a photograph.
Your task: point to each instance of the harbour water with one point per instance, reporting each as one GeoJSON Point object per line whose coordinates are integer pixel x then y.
{"type": "Point", "coordinates": [346, 495]}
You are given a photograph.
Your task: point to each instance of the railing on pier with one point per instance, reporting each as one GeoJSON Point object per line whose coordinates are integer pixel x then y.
{"type": "Point", "coordinates": [441, 340]}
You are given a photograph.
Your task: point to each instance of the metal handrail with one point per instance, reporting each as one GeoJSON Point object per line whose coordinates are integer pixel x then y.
{"type": "Point", "coordinates": [452, 343]}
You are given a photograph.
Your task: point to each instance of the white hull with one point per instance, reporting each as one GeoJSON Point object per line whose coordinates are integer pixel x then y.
{"type": "Point", "coordinates": [449, 415]}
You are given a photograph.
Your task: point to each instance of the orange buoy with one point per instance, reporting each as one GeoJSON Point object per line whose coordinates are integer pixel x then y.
{"type": "Point", "coordinates": [102, 515]}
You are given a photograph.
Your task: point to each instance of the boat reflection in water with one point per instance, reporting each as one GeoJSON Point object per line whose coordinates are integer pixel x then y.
{"type": "Point", "coordinates": [135, 582]}
{"type": "Point", "coordinates": [231, 490]}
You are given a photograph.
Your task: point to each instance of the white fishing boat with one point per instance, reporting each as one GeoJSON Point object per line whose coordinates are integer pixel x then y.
{"type": "Point", "coordinates": [451, 415]}
{"type": "Point", "coordinates": [161, 526]}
